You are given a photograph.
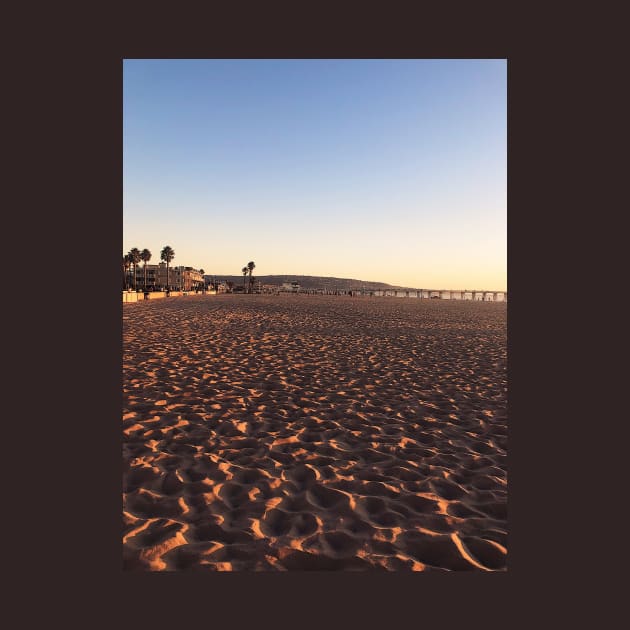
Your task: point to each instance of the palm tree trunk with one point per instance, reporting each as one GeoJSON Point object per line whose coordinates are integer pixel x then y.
{"type": "Point", "coordinates": [145, 276]}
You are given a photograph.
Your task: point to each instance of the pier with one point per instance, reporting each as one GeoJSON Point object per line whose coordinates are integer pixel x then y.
{"type": "Point", "coordinates": [442, 294]}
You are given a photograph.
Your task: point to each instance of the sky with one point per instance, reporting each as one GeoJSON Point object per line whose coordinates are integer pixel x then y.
{"type": "Point", "coordinates": [381, 170]}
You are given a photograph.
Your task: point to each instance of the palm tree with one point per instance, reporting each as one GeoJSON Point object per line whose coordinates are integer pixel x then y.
{"type": "Point", "coordinates": [167, 254]}
{"type": "Point", "coordinates": [244, 272]}
{"type": "Point", "coordinates": [134, 254]}
{"type": "Point", "coordinates": [126, 263]}
{"type": "Point", "coordinates": [145, 256]}
{"type": "Point", "coordinates": [251, 266]}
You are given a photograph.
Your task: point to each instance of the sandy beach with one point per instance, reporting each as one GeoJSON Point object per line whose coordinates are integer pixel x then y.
{"type": "Point", "coordinates": [297, 432]}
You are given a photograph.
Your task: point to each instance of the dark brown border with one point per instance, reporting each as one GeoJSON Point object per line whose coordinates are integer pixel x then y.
{"type": "Point", "coordinates": [74, 496]}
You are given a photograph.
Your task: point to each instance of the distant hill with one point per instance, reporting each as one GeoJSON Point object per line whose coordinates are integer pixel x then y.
{"type": "Point", "coordinates": [314, 282]}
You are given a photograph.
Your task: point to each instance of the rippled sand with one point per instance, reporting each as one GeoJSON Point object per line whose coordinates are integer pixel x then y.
{"type": "Point", "coordinates": [314, 432]}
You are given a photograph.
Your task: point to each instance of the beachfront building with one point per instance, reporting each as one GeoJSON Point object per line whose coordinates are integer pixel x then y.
{"type": "Point", "coordinates": [209, 280]}
{"type": "Point", "coordinates": [179, 277]}
{"type": "Point", "coordinates": [294, 286]}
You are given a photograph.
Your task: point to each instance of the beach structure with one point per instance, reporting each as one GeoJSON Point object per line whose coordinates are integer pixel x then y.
{"type": "Point", "coordinates": [441, 294]}
{"type": "Point", "coordinates": [180, 277]}
{"type": "Point", "coordinates": [293, 287]}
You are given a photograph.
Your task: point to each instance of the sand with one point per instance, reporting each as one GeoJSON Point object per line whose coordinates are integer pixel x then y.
{"type": "Point", "coordinates": [299, 432]}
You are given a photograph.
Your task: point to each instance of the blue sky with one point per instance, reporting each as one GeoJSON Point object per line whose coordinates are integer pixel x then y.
{"type": "Point", "coordinates": [385, 170]}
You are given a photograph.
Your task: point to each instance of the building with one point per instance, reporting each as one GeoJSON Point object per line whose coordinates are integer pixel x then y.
{"type": "Point", "coordinates": [179, 277]}
{"type": "Point", "coordinates": [294, 286]}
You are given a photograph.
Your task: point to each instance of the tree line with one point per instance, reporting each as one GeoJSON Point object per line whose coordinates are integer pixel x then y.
{"type": "Point", "coordinates": [135, 257]}
{"type": "Point", "coordinates": [248, 268]}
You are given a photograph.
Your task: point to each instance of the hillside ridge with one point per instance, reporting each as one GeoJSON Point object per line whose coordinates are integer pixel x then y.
{"type": "Point", "coordinates": [313, 282]}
